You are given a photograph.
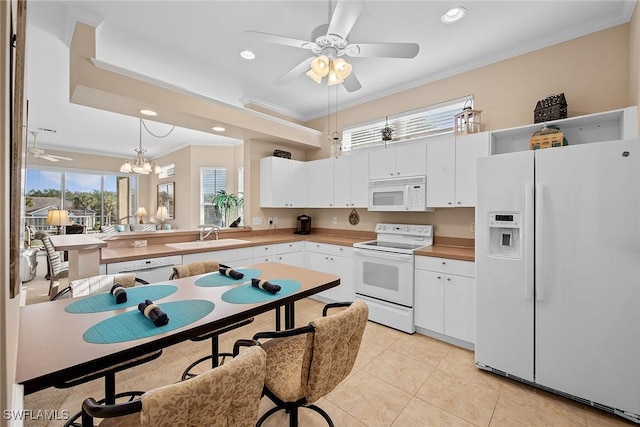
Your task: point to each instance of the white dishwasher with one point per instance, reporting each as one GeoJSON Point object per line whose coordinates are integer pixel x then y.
{"type": "Point", "coordinates": [152, 270]}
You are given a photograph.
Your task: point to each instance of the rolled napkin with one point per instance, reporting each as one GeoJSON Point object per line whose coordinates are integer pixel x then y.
{"type": "Point", "coordinates": [230, 272]}
{"type": "Point", "coordinates": [119, 293]}
{"type": "Point", "coordinates": [153, 312]}
{"type": "Point", "coordinates": [266, 286]}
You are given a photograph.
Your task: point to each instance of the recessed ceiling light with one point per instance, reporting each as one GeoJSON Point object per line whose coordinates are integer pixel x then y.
{"type": "Point", "coordinates": [148, 112]}
{"type": "Point", "coordinates": [218, 128]}
{"type": "Point", "coordinates": [247, 54]}
{"type": "Point", "coordinates": [454, 14]}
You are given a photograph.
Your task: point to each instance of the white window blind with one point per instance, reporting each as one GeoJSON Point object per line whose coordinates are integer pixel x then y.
{"type": "Point", "coordinates": [429, 121]}
{"type": "Point", "coordinates": [212, 180]}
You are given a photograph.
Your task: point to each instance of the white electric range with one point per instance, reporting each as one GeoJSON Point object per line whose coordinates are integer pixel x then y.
{"type": "Point", "coordinates": [384, 270]}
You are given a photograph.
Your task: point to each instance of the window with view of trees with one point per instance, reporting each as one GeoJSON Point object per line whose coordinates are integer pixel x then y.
{"type": "Point", "coordinates": [92, 199]}
{"type": "Point", "coordinates": [212, 181]}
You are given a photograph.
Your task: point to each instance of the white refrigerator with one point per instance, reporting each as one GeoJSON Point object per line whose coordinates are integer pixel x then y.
{"type": "Point", "coordinates": [558, 271]}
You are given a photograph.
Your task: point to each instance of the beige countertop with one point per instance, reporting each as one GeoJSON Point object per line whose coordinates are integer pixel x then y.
{"type": "Point", "coordinates": [118, 254]}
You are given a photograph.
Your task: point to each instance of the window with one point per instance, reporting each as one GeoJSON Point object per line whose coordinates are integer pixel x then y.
{"type": "Point", "coordinates": [426, 122]}
{"type": "Point", "coordinates": [92, 199]}
{"type": "Point", "coordinates": [212, 180]}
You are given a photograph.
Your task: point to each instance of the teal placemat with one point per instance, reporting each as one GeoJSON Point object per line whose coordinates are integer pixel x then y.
{"type": "Point", "coordinates": [132, 325]}
{"type": "Point", "coordinates": [106, 301]}
{"type": "Point", "coordinates": [247, 294]}
{"type": "Point", "coordinates": [217, 279]}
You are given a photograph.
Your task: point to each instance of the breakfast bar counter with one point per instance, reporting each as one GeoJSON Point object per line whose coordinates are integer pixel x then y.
{"type": "Point", "coordinates": [55, 340]}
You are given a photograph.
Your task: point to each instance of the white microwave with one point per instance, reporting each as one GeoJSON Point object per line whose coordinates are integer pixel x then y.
{"type": "Point", "coordinates": [399, 195]}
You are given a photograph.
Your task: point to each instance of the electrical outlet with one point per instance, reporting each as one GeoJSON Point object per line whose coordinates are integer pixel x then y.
{"type": "Point", "coordinates": [275, 220]}
{"type": "Point", "coordinates": [270, 220]}
{"type": "Point", "coordinates": [473, 227]}
{"type": "Point", "coordinates": [335, 220]}
{"type": "Point", "coordinates": [256, 220]}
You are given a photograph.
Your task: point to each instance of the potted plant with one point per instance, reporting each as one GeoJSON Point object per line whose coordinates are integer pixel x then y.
{"type": "Point", "coordinates": [227, 203]}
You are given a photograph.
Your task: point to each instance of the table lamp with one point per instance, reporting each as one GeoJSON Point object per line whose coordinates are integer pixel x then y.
{"type": "Point", "coordinates": [57, 217]}
{"type": "Point", "coordinates": [141, 212]}
{"type": "Point", "coordinates": [162, 214]}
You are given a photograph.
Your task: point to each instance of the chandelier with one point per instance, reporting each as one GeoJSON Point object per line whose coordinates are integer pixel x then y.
{"type": "Point", "coordinates": [141, 166]}
{"type": "Point", "coordinates": [336, 70]}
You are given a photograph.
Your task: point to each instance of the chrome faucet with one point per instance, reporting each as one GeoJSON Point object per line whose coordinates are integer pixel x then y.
{"type": "Point", "coordinates": [206, 230]}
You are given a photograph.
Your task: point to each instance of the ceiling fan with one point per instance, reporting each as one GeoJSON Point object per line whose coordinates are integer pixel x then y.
{"type": "Point", "coordinates": [38, 153]}
{"type": "Point", "coordinates": [329, 43]}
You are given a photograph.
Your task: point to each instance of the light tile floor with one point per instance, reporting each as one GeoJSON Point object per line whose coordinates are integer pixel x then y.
{"type": "Point", "coordinates": [398, 380]}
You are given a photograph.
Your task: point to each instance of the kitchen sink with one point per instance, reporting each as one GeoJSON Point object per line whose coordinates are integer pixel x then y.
{"type": "Point", "coordinates": [198, 244]}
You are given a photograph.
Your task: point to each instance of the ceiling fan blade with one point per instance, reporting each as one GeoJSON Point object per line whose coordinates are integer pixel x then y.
{"type": "Point", "coordinates": [60, 157]}
{"type": "Point", "coordinates": [48, 157]}
{"type": "Point", "coordinates": [385, 50]}
{"type": "Point", "coordinates": [296, 71]}
{"type": "Point", "coordinates": [344, 16]}
{"type": "Point", "coordinates": [351, 83]}
{"type": "Point", "coordinates": [274, 38]}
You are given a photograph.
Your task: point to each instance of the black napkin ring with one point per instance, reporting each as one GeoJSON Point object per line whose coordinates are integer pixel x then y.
{"type": "Point", "coordinates": [119, 293]}
{"type": "Point", "coordinates": [153, 312]}
{"type": "Point", "coordinates": [265, 286]}
{"type": "Point", "coordinates": [230, 272]}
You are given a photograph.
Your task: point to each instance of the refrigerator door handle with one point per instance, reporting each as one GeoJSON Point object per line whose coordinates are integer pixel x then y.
{"type": "Point", "coordinates": [529, 193]}
{"type": "Point", "coordinates": [539, 270]}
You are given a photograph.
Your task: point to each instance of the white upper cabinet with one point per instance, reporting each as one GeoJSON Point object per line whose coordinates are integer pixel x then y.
{"type": "Point", "coordinates": [318, 183]}
{"type": "Point", "coordinates": [280, 182]}
{"type": "Point", "coordinates": [441, 171]}
{"type": "Point", "coordinates": [469, 149]}
{"type": "Point", "coordinates": [451, 169]}
{"type": "Point", "coordinates": [407, 159]}
{"type": "Point", "coordinates": [351, 181]}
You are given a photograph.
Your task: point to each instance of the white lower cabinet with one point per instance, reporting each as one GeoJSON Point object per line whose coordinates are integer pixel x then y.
{"type": "Point", "coordinates": [333, 259]}
{"type": "Point", "coordinates": [286, 253]}
{"type": "Point", "coordinates": [445, 297]}
{"type": "Point", "coordinates": [290, 253]}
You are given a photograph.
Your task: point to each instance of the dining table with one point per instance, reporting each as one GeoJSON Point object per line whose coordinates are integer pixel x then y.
{"type": "Point", "coordinates": [65, 339]}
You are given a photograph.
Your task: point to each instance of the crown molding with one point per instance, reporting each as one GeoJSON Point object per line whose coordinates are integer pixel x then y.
{"type": "Point", "coordinates": [273, 107]}
{"type": "Point", "coordinates": [75, 15]}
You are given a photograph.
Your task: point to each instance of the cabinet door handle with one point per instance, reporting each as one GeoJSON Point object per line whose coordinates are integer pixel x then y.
{"type": "Point", "coordinates": [439, 277]}
{"type": "Point", "coordinates": [449, 203]}
{"type": "Point", "coordinates": [444, 263]}
{"type": "Point", "coordinates": [448, 279]}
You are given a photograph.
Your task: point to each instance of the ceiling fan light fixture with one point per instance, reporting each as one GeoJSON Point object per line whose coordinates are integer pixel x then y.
{"type": "Point", "coordinates": [321, 65]}
{"type": "Point", "coordinates": [453, 15]}
{"type": "Point", "coordinates": [334, 77]}
{"type": "Point", "coordinates": [313, 76]}
{"type": "Point", "coordinates": [342, 68]}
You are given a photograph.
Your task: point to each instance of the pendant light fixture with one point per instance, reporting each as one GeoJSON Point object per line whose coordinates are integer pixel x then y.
{"type": "Point", "coordinates": [141, 166]}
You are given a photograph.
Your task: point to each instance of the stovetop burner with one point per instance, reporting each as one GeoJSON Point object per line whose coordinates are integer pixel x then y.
{"type": "Point", "coordinates": [399, 238]}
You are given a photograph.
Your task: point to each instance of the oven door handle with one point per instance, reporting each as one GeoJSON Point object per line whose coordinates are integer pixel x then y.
{"type": "Point", "coordinates": [383, 255]}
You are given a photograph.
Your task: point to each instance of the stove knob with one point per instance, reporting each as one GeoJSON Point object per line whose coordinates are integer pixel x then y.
{"type": "Point", "coordinates": [383, 227]}
{"type": "Point", "coordinates": [407, 229]}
